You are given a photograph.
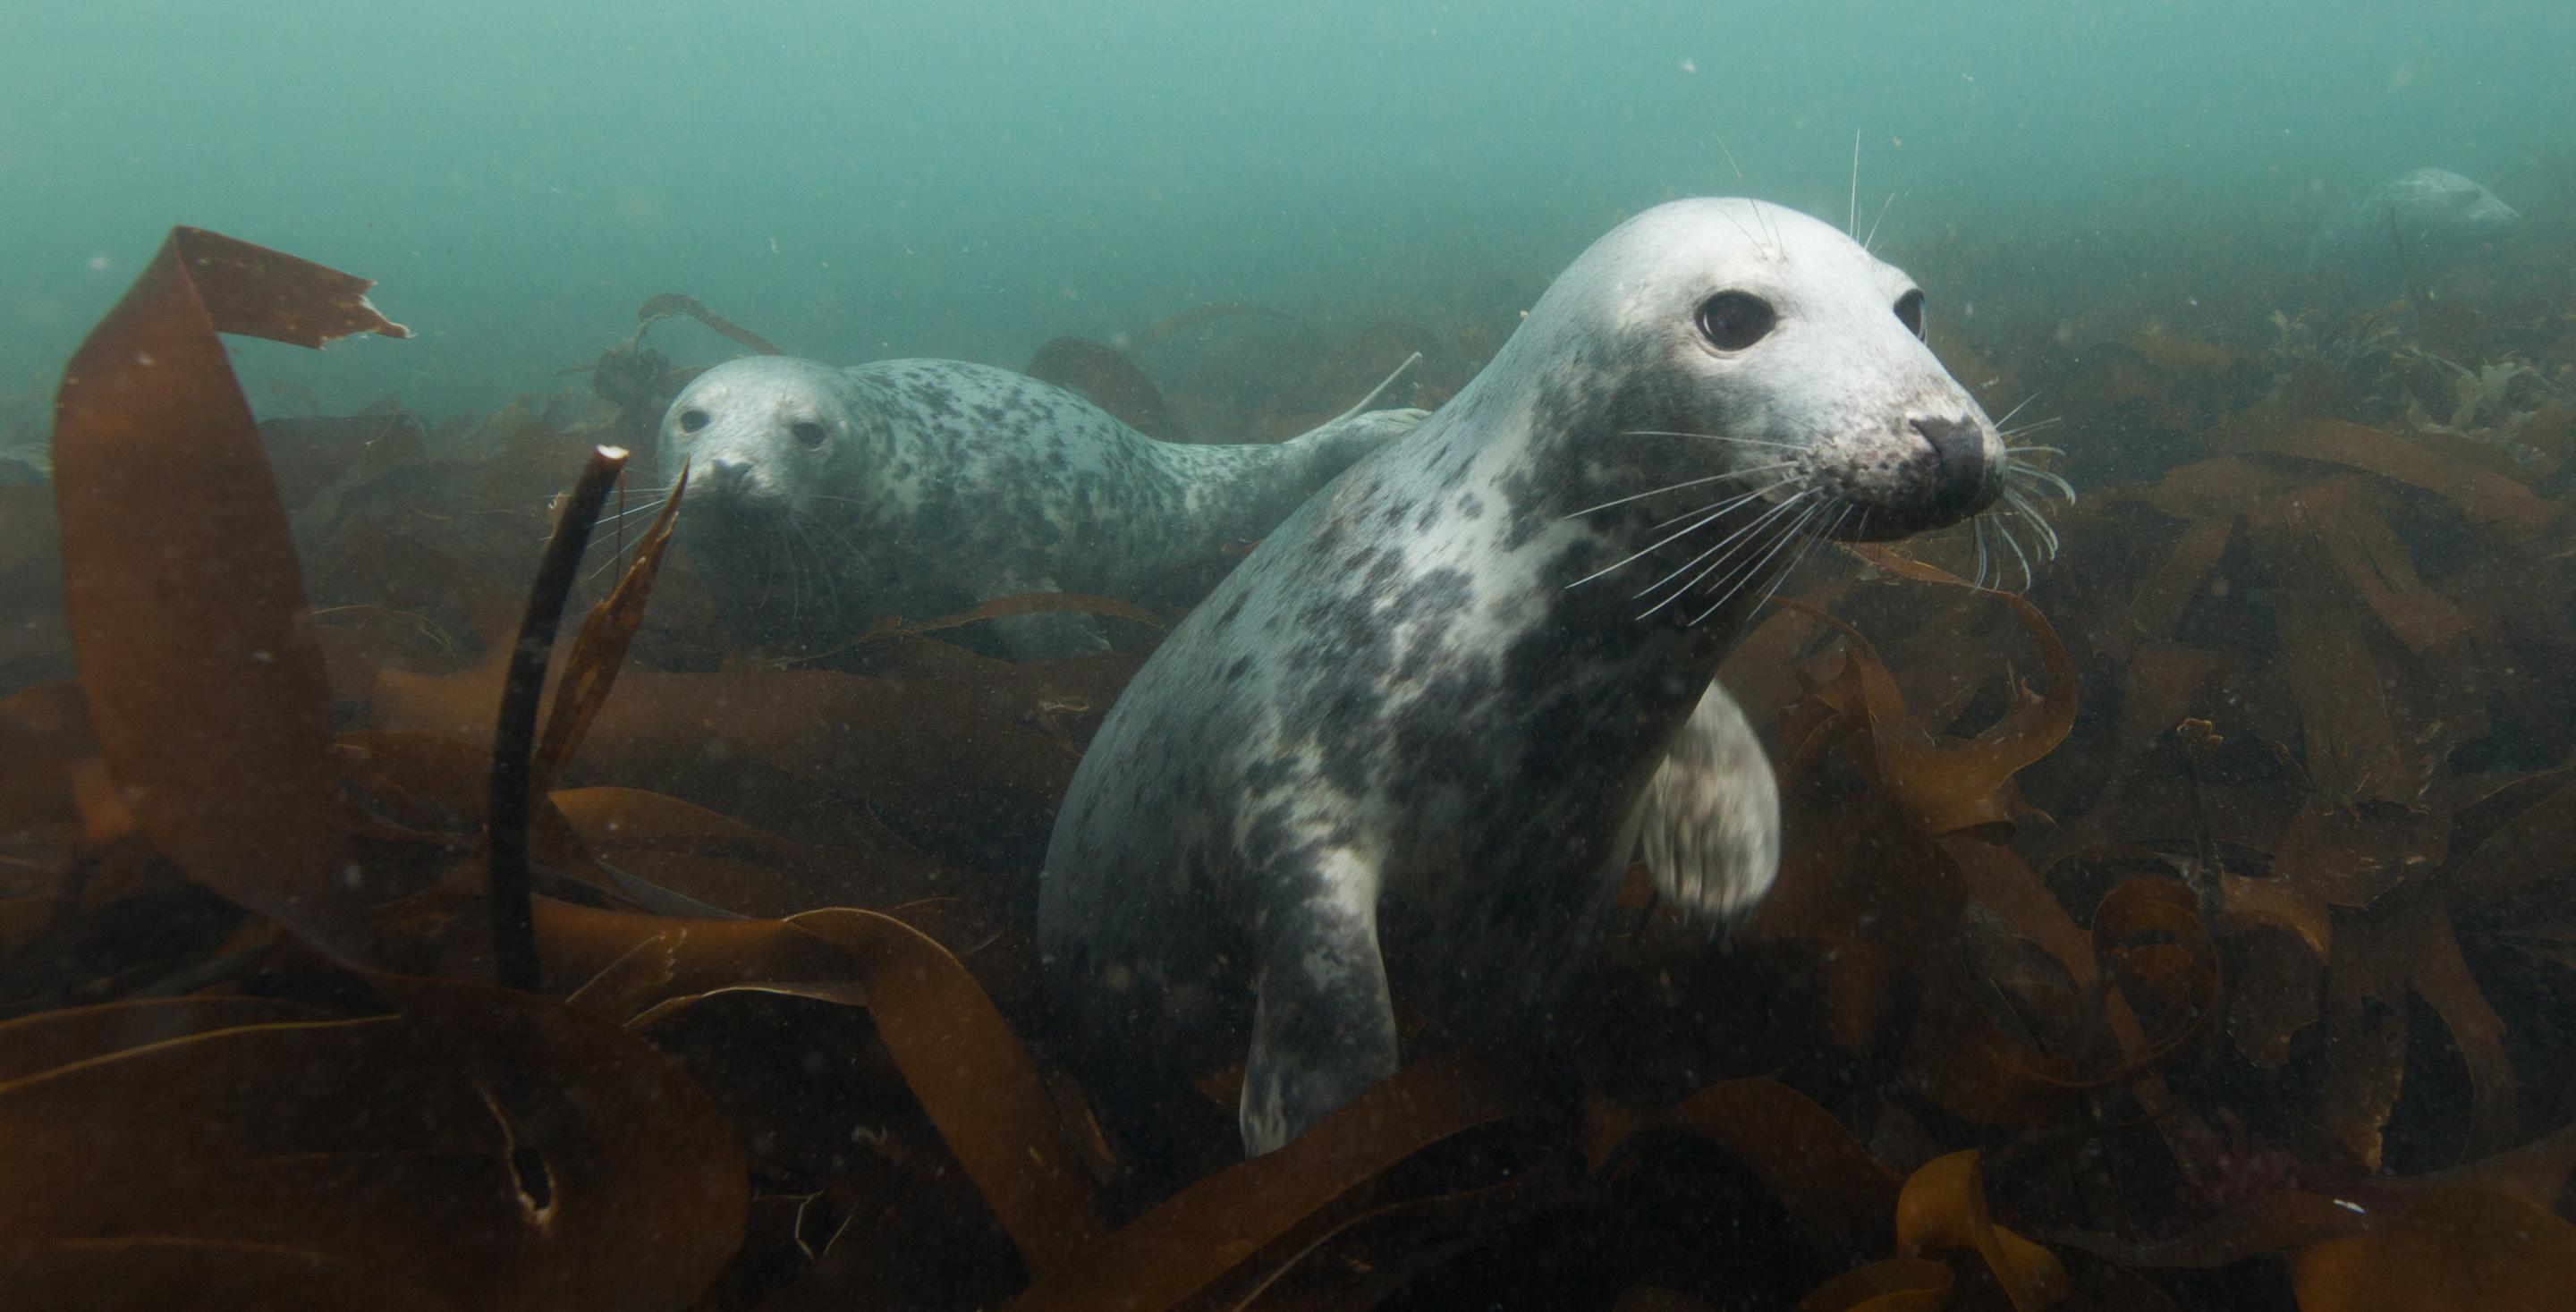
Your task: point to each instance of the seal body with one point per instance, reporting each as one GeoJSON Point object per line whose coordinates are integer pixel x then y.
{"type": "Point", "coordinates": [1407, 746]}
{"type": "Point", "coordinates": [824, 497]}
{"type": "Point", "coordinates": [2421, 224]}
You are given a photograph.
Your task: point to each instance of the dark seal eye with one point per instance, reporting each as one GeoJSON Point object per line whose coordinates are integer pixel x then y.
{"type": "Point", "coordinates": [1732, 321]}
{"type": "Point", "coordinates": [808, 433]}
{"type": "Point", "coordinates": [692, 420]}
{"type": "Point", "coordinates": [1909, 311]}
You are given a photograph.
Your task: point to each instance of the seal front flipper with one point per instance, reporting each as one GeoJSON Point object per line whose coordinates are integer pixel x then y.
{"type": "Point", "coordinates": [1710, 834]}
{"type": "Point", "coordinates": [1323, 1028]}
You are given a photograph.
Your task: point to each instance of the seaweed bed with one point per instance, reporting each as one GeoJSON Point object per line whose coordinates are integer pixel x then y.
{"type": "Point", "coordinates": [345, 959]}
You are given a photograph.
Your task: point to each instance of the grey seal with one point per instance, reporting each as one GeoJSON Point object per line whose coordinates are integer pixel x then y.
{"type": "Point", "coordinates": [824, 497]}
{"type": "Point", "coordinates": [2420, 224]}
{"type": "Point", "coordinates": [1407, 747]}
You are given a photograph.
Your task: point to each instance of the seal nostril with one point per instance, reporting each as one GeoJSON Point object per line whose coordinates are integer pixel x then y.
{"type": "Point", "coordinates": [692, 420]}
{"type": "Point", "coordinates": [727, 475]}
{"type": "Point", "coordinates": [1959, 451]}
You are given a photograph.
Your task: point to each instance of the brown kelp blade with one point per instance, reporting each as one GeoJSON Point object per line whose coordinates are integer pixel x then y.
{"type": "Point", "coordinates": [2451, 1248]}
{"type": "Point", "coordinates": [1209, 1234]}
{"type": "Point", "coordinates": [1955, 785]}
{"type": "Point", "coordinates": [494, 1149]}
{"type": "Point", "coordinates": [187, 610]}
{"type": "Point", "coordinates": [668, 304]}
{"type": "Point", "coordinates": [1943, 1206]}
{"type": "Point", "coordinates": [1101, 375]}
{"type": "Point", "coordinates": [956, 1052]}
{"type": "Point", "coordinates": [600, 650]}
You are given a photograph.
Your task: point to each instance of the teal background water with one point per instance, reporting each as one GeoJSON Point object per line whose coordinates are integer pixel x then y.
{"type": "Point", "coordinates": [969, 179]}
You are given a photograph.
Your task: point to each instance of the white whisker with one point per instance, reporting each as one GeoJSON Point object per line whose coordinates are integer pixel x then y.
{"type": "Point", "coordinates": [1714, 437]}
{"type": "Point", "coordinates": [1675, 487]}
{"type": "Point", "coordinates": [2042, 481]}
{"type": "Point", "coordinates": [1722, 544]}
{"type": "Point", "coordinates": [1754, 571]}
{"type": "Point", "coordinates": [2047, 535]}
{"type": "Point", "coordinates": [645, 509]}
{"type": "Point", "coordinates": [1872, 238]}
{"type": "Point", "coordinates": [2008, 414]}
{"type": "Point", "coordinates": [1722, 506]}
{"type": "Point", "coordinates": [1851, 217]}
{"type": "Point", "coordinates": [1803, 552]}
{"type": "Point", "coordinates": [768, 576]}
{"type": "Point", "coordinates": [2028, 579]}
{"type": "Point", "coordinates": [1683, 532]}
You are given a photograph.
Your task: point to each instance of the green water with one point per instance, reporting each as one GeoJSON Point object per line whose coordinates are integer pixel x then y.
{"type": "Point", "coordinates": [970, 179]}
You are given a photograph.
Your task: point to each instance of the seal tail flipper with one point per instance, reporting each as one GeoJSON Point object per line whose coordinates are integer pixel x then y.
{"type": "Point", "coordinates": [1710, 833]}
{"type": "Point", "coordinates": [1323, 1028]}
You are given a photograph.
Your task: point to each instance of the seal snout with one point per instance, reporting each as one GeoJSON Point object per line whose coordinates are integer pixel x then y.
{"type": "Point", "coordinates": [1961, 474]}
{"type": "Point", "coordinates": [730, 495]}
{"type": "Point", "coordinates": [728, 476]}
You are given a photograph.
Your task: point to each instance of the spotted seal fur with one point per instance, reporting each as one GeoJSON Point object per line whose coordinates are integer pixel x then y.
{"type": "Point", "coordinates": [823, 497]}
{"type": "Point", "coordinates": [2419, 224]}
{"type": "Point", "coordinates": [1408, 745]}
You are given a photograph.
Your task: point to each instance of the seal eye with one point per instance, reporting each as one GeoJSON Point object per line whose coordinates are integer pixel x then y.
{"type": "Point", "coordinates": [692, 420]}
{"type": "Point", "coordinates": [1909, 311]}
{"type": "Point", "coordinates": [1732, 321]}
{"type": "Point", "coordinates": [809, 434]}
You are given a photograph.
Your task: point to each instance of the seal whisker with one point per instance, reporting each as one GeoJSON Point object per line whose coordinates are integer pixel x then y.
{"type": "Point", "coordinates": [1675, 487]}
{"type": "Point", "coordinates": [768, 572]}
{"type": "Point", "coordinates": [643, 509]}
{"type": "Point", "coordinates": [2037, 513]}
{"type": "Point", "coordinates": [797, 523]}
{"type": "Point", "coordinates": [2042, 482]}
{"type": "Point", "coordinates": [795, 572]}
{"type": "Point", "coordinates": [2017, 409]}
{"type": "Point", "coordinates": [839, 539]}
{"type": "Point", "coordinates": [1805, 551]}
{"type": "Point", "coordinates": [1722, 551]}
{"type": "Point", "coordinates": [1754, 571]}
{"type": "Point", "coordinates": [1872, 239]}
{"type": "Point", "coordinates": [1977, 529]}
{"type": "Point", "coordinates": [2028, 579]}
{"type": "Point", "coordinates": [1712, 437]}
{"type": "Point", "coordinates": [1722, 543]}
{"type": "Point", "coordinates": [1683, 532]}
{"type": "Point", "coordinates": [2032, 427]}
{"type": "Point", "coordinates": [2030, 511]}
{"type": "Point", "coordinates": [1851, 215]}
{"type": "Point", "coordinates": [1728, 504]}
